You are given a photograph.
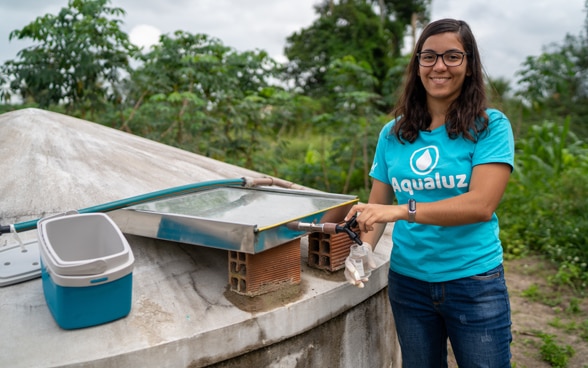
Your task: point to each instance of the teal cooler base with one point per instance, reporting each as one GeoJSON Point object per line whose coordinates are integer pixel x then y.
{"type": "Point", "coordinates": [78, 307]}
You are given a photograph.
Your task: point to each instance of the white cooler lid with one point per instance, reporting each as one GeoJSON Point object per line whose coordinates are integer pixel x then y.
{"type": "Point", "coordinates": [18, 264]}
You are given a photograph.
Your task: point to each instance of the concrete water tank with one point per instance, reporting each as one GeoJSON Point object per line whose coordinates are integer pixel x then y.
{"type": "Point", "coordinates": [183, 313]}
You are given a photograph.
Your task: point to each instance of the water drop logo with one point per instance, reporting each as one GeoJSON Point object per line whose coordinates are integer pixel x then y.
{"type": "Point", "coordinates": [424, 160]}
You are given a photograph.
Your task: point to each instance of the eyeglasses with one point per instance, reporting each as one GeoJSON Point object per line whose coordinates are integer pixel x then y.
{"type": "Point", "coordinates": [450, 58]}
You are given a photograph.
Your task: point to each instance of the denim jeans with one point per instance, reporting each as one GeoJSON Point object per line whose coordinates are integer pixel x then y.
{"type": "Point", "coordinates": [473, 312]}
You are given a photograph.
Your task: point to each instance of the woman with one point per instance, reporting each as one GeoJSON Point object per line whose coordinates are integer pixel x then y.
{"type": "Point", "coordinates": [446, 158]}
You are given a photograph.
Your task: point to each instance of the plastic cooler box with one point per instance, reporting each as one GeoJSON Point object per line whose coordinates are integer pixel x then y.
{"type": "Point", "coordinates": [86, 269]}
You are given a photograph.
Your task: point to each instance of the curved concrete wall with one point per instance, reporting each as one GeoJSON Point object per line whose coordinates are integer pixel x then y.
{"type": "Point", "coordinates": [362, 336]}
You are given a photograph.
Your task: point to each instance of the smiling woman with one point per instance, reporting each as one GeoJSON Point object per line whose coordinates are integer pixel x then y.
{"type": "Point", "coordinates": [439, 171]}
{"type": "Point", "coordinates": [144, 36]}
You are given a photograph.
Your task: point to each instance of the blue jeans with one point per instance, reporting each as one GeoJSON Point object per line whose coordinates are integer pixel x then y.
{"type": "Point", "coordinates": [473, 312]}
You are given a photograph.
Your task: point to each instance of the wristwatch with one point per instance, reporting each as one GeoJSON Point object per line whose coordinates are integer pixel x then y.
{"type": "Point", "coordinates": [411, 210]}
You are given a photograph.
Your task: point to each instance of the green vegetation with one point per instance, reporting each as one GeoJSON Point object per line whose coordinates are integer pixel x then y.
{"type": "Point", "coordinates": [564, 334]}
{"type": "Point", "coordinates": [75, 60]}
{"type": "Point", "coordinates": [553, 353]}
{"type": "Point", "coordinates": [314, 119]}
{"type": "Point", "coordinates": [544, 209]}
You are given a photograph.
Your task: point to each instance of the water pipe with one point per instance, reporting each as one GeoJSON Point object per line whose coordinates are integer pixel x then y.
{"type": "Point", "coordinates": [328, 228]}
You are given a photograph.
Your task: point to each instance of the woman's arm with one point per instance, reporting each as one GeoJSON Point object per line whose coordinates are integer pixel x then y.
{"type": "Point", "coordinates": [487, 185]}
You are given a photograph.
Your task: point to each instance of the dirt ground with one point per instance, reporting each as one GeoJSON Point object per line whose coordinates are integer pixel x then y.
{"type": "Point", "coordinates": [553, 311]}
{"type": "Point", "coordinates": [539, 309]}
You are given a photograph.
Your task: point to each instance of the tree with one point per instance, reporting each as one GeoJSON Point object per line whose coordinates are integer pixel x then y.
{"type": "Point", "coordinates": [415, 13]}
{"type": "Point", "coordinates": [555, 83]}
{"type": "Point", "coordinates": [356, 113]}
{"type": "Point", "coordinates": [198, 94]}
{"type": "Point", "coordinates": [77, 57]}
{"type": "Point", "coordinates": [349, 28]}
{"type": "Point", "coordinates": [181, 72]}
{"type": "Point", "coordinates": [353, 28]}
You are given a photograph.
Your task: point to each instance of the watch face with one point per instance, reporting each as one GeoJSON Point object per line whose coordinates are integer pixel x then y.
{"type": "Point", "coordinates": [411, 205]}
{"type": "Point", "coordinates": [411, 210]}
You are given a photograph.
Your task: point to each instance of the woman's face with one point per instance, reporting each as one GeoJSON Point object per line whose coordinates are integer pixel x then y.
{"type": "Point", "coordinates": [443, 83]}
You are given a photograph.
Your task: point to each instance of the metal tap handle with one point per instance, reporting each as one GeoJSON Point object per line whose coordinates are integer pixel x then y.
{"type": "Point", "coordinates": [347, 229]}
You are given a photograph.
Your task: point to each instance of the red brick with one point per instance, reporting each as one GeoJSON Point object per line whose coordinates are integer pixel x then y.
{"type": "Point", "coordinates": [328, 251]}
{"type": "Point", "coordinates": [256, 274]}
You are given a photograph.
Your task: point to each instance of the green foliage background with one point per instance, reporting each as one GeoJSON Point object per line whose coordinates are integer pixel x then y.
{"type": "Point", "coordinates": [314, 119]}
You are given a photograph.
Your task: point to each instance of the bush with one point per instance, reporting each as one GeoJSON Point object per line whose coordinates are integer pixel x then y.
{"type": "Point", "coordinates": [544, 207]}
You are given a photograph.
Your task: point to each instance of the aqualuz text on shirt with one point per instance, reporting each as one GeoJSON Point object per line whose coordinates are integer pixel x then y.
{"type": "Point", "coordinates": [434, 182]}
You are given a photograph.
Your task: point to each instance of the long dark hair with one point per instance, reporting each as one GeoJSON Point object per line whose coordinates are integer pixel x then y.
{"type": "Point", "coordinates": [466, 115]}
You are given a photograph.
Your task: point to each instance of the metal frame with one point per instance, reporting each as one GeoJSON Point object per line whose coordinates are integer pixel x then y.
{"type": "Point", "coordinates": [248, 220]}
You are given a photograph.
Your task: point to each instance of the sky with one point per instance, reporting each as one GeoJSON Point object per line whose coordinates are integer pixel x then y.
{"type": "Point", "coordinates": [507, 31]}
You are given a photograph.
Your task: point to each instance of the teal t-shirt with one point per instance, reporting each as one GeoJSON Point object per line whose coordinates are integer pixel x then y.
{"type": "Point", "coordinates": [433, 168]}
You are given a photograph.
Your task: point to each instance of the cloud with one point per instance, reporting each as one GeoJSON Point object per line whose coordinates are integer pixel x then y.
{"type": "Point", "coordinates": [507, 30]}
{"type": "Point", "coordinates": [243, 25]}
{"type": "Point", "coordinates": [144, 36]}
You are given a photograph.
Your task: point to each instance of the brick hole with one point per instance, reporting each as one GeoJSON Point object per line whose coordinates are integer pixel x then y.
{"type": "Point", "coordinates": [314, 258]}
{"type": "Point", "coordinates": [238, 284]}
{"type": "Point", "coordinates": [313, 244]}
{"type": "Point", "coordinates": [325, 246]}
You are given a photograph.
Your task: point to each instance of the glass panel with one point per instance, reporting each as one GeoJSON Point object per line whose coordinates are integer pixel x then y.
{"type": "Point", "coordinates": [243, 206]}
